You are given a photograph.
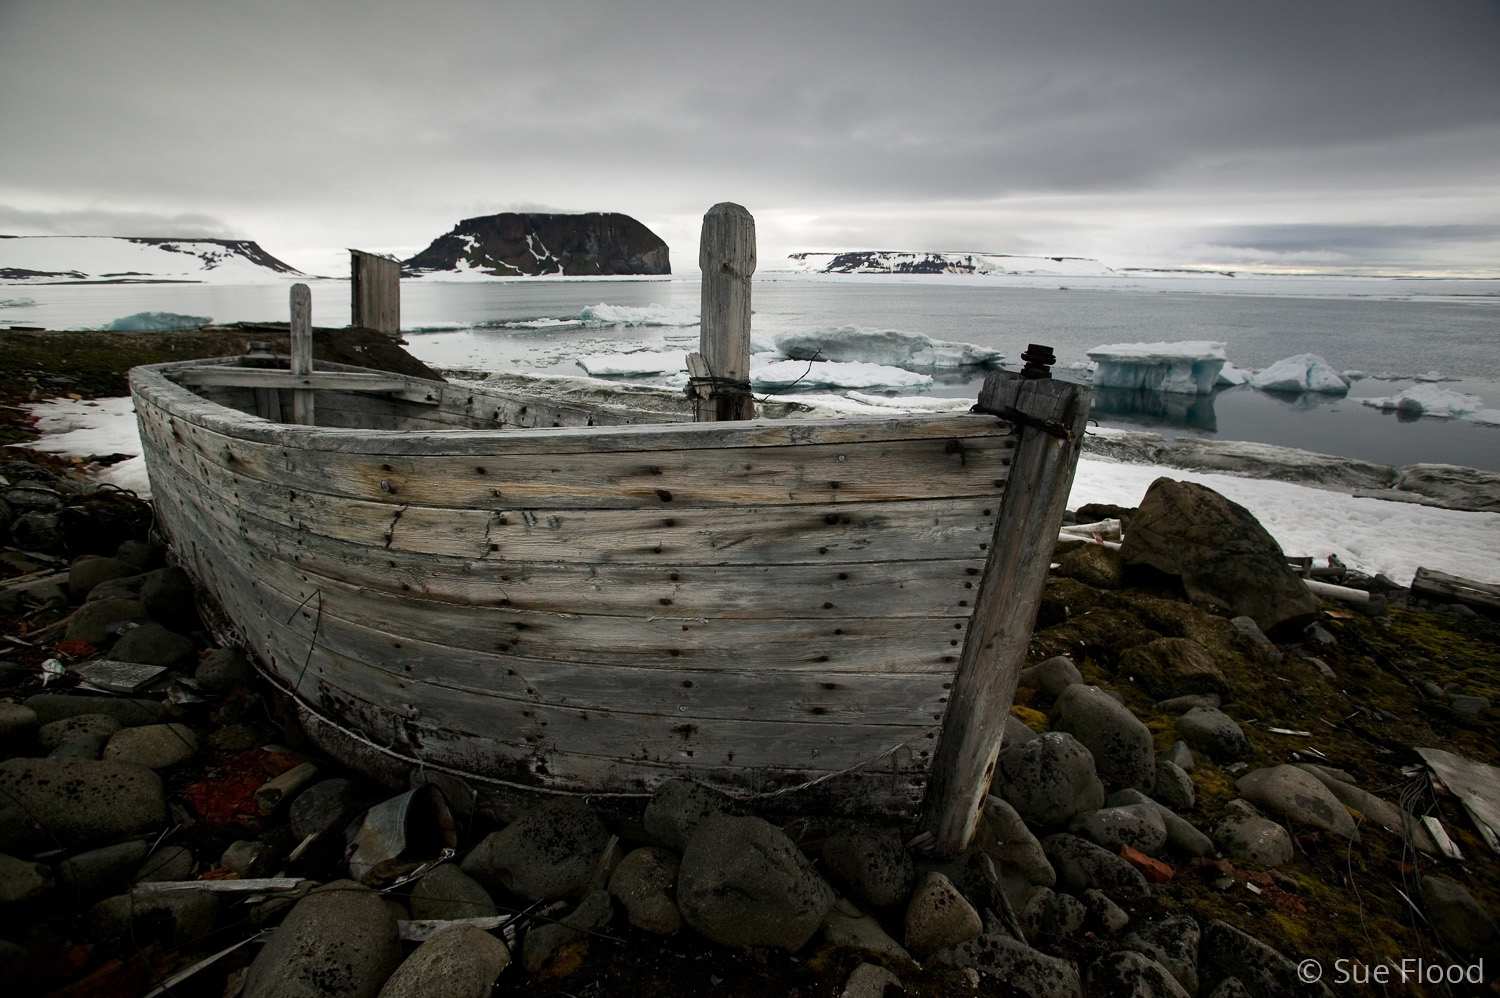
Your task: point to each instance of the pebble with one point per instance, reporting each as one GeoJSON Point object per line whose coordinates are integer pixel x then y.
{"type": "Point", "coordinates": [155, 746]}
{"type": "Point", "coordinates": [222, 668]}
{"type": "Point", "coordinates": [18, 725]}
{"type": "Point", "coordinates": [323, 807]}
{"type": "Point", "coordinates": [51, 707]}
{"type": "Point", "coordinates": [246, 858]}
{"type": "Point", "coordinates": [87, 571]}
{"type": "Point", "coordinates": [1057, 674]}
{"type": "Point", "coordinates": [1004, 837]}
{"type": "Point", "coordinates": [1080, 865]}
{"type": "Point", "coordinates": [1179, 755]}
{"type": "Point", "coordinates": [97, 621]}
{"type": "Point", "coordinates": [1263, 969]}
{"type": "Point", "coordinates": [1460, 921]}
{"type": "Point", "coordinates": [1110, 916]}
{"type": "Point", "coordinates": [1173, 943]}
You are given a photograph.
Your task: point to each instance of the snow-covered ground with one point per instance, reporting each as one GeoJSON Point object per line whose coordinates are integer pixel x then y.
{"type": "Point", "coordinates": [898, 262]}
{"type": "Point", "coordinates": [94, 259]}
{"type": "Point", "coordinates": [1370, 535]}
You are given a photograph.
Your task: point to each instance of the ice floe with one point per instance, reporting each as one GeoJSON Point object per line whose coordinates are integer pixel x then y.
{"type": "Point", "coordinates": [780, 374]}
{"type": "Point", "coordinates": [1188, 367]}
{"type": "Point", "coordinates": [637, 363]}
{"type": "Point", "coordinates": [891, 347]}
{"type": "Point", "coordinates": [1303, 372]}
{"type": "Point", "coordinates": [1430, 400]}
{"type": "Point", "coordinates": [604, 314]}
{"type": "Point", "coordinates": [1231, 375]}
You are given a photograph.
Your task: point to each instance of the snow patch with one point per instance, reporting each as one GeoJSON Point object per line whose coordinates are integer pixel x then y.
{"type": "Point", "coordinates": [91, 430]}
{"type": "Point", "coordinates": [1304, 372]}
{"type": "Point", "coordinates": [125, 260]}
{"type": "Point", "coordinates": [1188, 367]}
{"type": "Point", "coordinates": [896, 262]}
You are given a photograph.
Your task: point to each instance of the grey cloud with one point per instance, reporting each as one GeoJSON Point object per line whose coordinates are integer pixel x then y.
{"type": "Point", "coordinates": [101, 222]}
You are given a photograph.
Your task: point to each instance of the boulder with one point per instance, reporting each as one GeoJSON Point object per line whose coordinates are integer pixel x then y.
{"type": "Point", "coordinates": [645, 882]}
{"type": "Point", "coordinates": [1080, 865]}
{"type": "Point", "coordinates": [1048, 779]}
{"type": "Point", "coordinates": [847, 927]}
{"type": "Point", "coordinates": [1003, 836]}
{"type": "Point", "coordinates": [1116, 738]}
{"type": "Point", "coordinates": [551, 851]}
{"type": "Point", "coordinates": [1248, 837]}
{"type": "Point", "coordinates": [744, 883]}
{"type": "Point", "coordinates": [155, 746]}
{"type": "Point", "coordinates": [871, 862]}
{"type": "Point", "coordinates": [544, 941]}
{"type": "Point", "coordinates": [1173, 666]}
{"type": "Point", "coordinates": [102, 872]}
{"type": "Point", "coordinates": [57, 733]}
{"type": "Point", "coordinates": [340, 940]}
{"type": "Point", "coordinates": [1127, 974]}
{"type": "Point", "coordinates": [938, 916]}
{"type": "Point", "coordinates": [1460, 921]}
{"type": "Point", "coordinates": [1213, 732]}
{"type": "Point", "coordinates": [172, 917]}
{"type": "Point", "coordinates": [459, 961]}
{"type": "Point", "coordinates": [84, 802]}
{"type": "Point", "coordinates": [1174, 787]}
{"type": "Point", "coordinates": [1173, 943]}
{"type": "Point", "coordinates": [447, 892]}
{"type": "Point", "coordinates": [1227, 952]}
{"type": "Point", "coordinates": [1057, 674]}
{"type": "Point", "coordinates": [1138, 826]}
{"type": "Point", "coordinates": [152, 644]}
{"type": "Point", "coordinates": [1299, 797]}
{"type": "Point", "coordinates": [1028, 972]}
{"type": "Point", "coordinates": [98, 620]}
{"type": "Point", "coordinates": [678, 807]}
{"type": "Point", "coordinates": [1222, 554]}
{"type": "Point", "coordinates": [87, 571]}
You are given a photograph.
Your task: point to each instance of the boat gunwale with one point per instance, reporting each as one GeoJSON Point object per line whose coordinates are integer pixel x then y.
{"type": "Point", "coordinates": [151, 382]}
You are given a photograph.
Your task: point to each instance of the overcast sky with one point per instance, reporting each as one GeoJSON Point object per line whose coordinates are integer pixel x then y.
{"type": "Point", "coordinates": [1359, 136]}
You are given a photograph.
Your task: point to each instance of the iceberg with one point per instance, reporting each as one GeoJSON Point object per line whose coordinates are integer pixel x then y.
{"type": "Point", "coordinates": [890, 347]}
{"type": "Point", "coordinates": [604, 314]}
{"type": "Point", "coordinates": [156, 322]}
{"type": "Point", "coordinates": [1231, 375]}
{"type": "Point", "coordinates": [1303, 372]}
{"type": "Point", "coordinates": [1430, 400]}
{"type": "Point", "coordinates": [1189, 367]}
{"type": "Point", "coordinates": [777, 374]}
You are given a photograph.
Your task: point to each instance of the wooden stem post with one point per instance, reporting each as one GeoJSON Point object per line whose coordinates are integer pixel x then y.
{"type": "Point", "coordinates": [302, 348]}
{"type": "Point", "coordinates": [1050, 417]}
{"type": "Point", "coordinates": [726, 255]}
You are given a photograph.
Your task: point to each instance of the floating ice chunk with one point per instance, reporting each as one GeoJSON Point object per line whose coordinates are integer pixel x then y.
{"type": "Point", "coordinates": [1430, 376]}
{"type": "Point", "coordinates": [630, 315]}
{"type": "Point", "coordinates": [17, 302]}
{"type": "Point", "coordinates": [891, 347]}
{"type": "Point", "coordinates": [1190, 367]}
{"type": "Point", "coordinates": [853, 374]}
{"type": "Point", "coordinates": [1303, 372]}
{"type": "Point", "coordinates": [640, 362]}
{"type": "Point", "coordinates": [1430, 400]}
{"type": "Point", "coordinates": [156, 322]}
{"type": "Point", "coordinates": [1231, 375]}
{"type": "Point", "coordinates": [1352, 376]}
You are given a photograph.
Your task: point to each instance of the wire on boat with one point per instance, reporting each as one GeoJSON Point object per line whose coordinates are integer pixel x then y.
{"type": "Point", "coordinates": [313, 642]}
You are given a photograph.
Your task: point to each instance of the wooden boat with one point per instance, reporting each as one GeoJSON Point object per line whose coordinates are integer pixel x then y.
{"type": "Point", "coordinates": [544, 597]}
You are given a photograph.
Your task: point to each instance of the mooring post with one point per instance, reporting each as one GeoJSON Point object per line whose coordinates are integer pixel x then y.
{"type": "Point", "coordinates": [302, 348]}
{"type": "Point", "coordinates": [726, 255]}
{"type": "Point", "coordinates": [375, 293]}
{"type": "Point", "coordinates": [1049, 417]}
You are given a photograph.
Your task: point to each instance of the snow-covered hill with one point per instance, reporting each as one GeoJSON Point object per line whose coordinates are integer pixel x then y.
{"type": "Point", "coordinates": [132, 260]}
{"type": "Point", "coordinates": [896, 262]}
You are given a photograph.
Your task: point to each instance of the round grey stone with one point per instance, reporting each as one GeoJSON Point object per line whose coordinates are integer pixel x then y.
{"type": "Point", "coordinates": [871, 862]}
{"type": "Point", "coordinates": [152, 644]}
{"type": "Point", "coordinates": [447, 892]}
{"type": "Point", "coordinates": [1174, 788]}
{"type": "Point", "coordinates": [155, 746]}
{"type": "Point", "coordinates": [338, 940]}
{"type": "Point", "coordinates": [1138, 826]}
{"type": "Point", "coordinates": [460, 961]}
{"type": "Point", "coordinates": [98, 620]}
{"type": "Point", "coordinates": [551, 851]}
{"type": "Point", "coordinates": [1210, 730]}
{"type": "Point", "coordinates": [678, 807]}
{"type": "Point", "coordinates": [645, 883]}
{"type": "Point", "coordinates": [1120, 744]}
{"type": "Point", "coordinates": [1048, 779]}
{"type": "Point", "coordinates": [1299, 797]}
{"type": "Point", "coordinates": [938, 916]}
{"type": "Point", "coordinates": [52, 735]}
{"type": "Point", "coordinates": [84, 802]}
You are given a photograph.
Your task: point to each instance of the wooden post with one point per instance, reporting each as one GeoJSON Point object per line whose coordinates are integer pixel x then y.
{"type": "Point", "coordinates": [726, 255]}
{"type": "Point", "coordinates": [302, 347]}
{"type": "Point", "coordinates": [1050, 417]}
{"type": "Point", "coordinates": [375, 292]}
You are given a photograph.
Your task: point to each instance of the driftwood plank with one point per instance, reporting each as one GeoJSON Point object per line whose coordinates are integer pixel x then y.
{"type": "Point", "coordinates": [1455, 589]}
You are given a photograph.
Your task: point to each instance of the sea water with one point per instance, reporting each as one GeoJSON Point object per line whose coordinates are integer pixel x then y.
{"type": "Point", "coordinates": [1397, 332]}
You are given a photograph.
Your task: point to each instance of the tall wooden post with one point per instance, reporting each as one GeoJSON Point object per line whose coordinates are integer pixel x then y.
{"type": "Point", "coordinates": [302, 348]}
{"type": "Point", "coordinates": [726, 255]}
{"type": "Point", "coordinates": [1049, 417]}
{"type": "Point", "coordinates": [375, 293]}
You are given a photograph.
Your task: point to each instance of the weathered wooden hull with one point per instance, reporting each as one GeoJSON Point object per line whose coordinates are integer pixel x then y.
{"type": "Point", "coordinates": [772, 607]}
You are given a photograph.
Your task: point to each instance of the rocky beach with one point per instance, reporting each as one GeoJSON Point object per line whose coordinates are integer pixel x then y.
{"type": "Point", "coordinates": [1212, 784]}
